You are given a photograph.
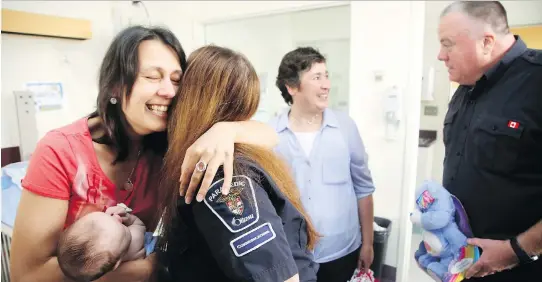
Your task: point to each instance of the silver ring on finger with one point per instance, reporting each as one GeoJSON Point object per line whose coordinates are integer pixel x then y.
{"type": "Point", "coordinates": [201, 166]}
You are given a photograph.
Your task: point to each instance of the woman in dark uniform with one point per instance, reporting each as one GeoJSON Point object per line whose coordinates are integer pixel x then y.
{"type": "Point", "coordinates": [257, 232]}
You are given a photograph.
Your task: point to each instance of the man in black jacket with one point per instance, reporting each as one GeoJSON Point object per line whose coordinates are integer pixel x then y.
{"type": "Point", "coordinates": [493, 138]}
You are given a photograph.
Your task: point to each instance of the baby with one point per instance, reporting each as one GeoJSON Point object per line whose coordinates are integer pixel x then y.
{"type": "Point", "coordinates": [99, 241]}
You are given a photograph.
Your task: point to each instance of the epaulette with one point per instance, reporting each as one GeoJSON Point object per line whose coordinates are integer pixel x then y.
{"type": "Point", "coordinates": [533, 56]}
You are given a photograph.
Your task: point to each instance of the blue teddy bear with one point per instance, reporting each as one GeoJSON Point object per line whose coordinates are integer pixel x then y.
{"type": "Point", "coordinates": [442, 239]}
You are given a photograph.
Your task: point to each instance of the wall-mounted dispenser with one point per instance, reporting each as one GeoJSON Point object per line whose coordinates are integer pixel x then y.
{"type": "Point", "coordinates": [428, 94]}
{"type": "Point", "coordinates": [392, 109]}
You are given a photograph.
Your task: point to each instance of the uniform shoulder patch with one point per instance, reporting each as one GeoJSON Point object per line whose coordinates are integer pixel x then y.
{"type": "Point", "coordinates": [238, 210]}
{"type": "Point", "coordinates": [253, 239]}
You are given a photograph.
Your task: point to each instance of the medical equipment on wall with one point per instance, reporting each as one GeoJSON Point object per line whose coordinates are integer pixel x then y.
{"type": "Point", "coordinates": [392, 111]}
{"type": "Point", "coordinates": [27, 123]}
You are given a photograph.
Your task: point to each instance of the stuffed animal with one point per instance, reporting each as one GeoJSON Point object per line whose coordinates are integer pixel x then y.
{"type": "Point", "coordinates": [443, 253]}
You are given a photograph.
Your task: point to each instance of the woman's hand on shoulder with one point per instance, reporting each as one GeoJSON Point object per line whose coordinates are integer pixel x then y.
{"type": "Point", "coordinates": [204, 158]}
{"type": "Point", "coordinates": [216, 148]}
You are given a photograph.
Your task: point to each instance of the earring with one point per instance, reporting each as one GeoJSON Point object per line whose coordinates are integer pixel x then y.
{"type": "Point", "coordinates": [113, 100]}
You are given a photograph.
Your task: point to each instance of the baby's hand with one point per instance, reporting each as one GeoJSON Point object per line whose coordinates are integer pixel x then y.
{"type": "Point", "coordinates": [128, 210]}
{"type": "Point", "coordinates": [122, 213]}
{"type": "Point", "coordinates": [116, 210]}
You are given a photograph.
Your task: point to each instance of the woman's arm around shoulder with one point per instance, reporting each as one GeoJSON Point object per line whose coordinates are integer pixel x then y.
{"type": "Point", "coordinates": [256, 133]}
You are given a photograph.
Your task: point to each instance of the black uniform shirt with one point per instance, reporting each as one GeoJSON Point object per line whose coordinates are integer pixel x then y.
{"type": "Point", "coordinates": [493, 141]}
{"type": "Point", "coordinates": [252, 234]}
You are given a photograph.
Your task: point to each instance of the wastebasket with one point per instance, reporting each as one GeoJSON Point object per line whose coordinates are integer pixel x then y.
{"type": "Point", "coordinates": [380, 246]}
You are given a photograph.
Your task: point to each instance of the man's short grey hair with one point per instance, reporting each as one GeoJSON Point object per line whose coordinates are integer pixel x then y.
{"type": "Point", "coordinates": [490, 12]}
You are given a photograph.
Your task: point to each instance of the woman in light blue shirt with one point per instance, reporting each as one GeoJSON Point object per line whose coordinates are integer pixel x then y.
{"type": "Point", "coordinates": [329, 162]}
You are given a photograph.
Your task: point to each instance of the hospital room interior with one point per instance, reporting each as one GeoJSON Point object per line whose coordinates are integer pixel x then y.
{"type": "Point", "coordinates": [381, 57]}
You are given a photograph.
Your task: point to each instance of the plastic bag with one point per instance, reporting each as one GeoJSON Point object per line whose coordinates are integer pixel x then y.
{"type": "Point", "coordinates": [359, 276]}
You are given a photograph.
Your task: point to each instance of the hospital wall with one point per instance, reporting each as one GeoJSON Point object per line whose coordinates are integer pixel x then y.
{"type": "Point", "coordinates": [74, 63]}
{"type": "Point", "coordinates": [265, 40]}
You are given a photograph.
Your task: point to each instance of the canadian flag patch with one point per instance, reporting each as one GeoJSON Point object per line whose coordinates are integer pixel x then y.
{"type": "Point", "coordinates": [513, 124]}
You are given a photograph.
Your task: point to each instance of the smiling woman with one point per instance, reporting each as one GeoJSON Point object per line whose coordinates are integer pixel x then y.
{"type": "Point", "coordinates": [151, 77]}
{"type": "Point", "coordinates": [146, 107]}
{"type": "Point", "coordinates": [114, 155]}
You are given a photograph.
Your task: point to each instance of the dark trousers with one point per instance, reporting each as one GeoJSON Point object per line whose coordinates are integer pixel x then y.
{"type": "Point", "coordinates": [339, 270]}
{"type": "Point", "coordinates": [531, 272]}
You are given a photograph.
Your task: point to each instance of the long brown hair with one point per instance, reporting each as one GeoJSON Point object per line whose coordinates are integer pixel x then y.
{"type": "Point", "coordinates": [218, 85]}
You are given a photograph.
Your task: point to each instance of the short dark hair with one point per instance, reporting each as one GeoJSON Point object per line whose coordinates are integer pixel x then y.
{"type": "Point", "coordinates": [490, 12]}
{"type": "Point", "coordinates": [80, 261]}
{"type": "Point", "coordinates": [292, 65]}
{"type": "Point", "coordinates": [118, 74]}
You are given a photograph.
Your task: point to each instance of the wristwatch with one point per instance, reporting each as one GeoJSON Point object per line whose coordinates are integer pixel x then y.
{"type": "Point", "coordinates": [523, 257]}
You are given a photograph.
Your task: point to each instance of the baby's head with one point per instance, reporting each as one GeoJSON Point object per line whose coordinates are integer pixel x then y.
{"type": "Point", "coordinates": [92, 246]}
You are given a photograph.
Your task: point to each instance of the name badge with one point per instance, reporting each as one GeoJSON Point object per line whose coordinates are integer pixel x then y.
{"type": "Point", "coordinates": [253, 239]}
{"type": "Point", "coordinates": [238, 210]}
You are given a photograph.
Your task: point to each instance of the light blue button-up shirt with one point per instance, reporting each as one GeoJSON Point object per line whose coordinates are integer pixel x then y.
{"type": "Point", "coordinates": [330, 180]}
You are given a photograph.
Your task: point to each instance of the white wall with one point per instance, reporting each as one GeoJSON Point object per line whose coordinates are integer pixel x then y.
{"type": "Point", "coordinates": [265, 40]}
{"type": "Point", "coordinates": [519, 13]}
{"type": "Point", "coordinates": [72, 62]}
{"type": "Point", "coordinates": [395, 51]}
{"type": "Point", "coordinates": [186, 18]}
{"type": "Point", "coordinates": [218, 11]}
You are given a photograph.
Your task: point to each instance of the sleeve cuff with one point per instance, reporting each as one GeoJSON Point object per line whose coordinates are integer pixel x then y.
{"type": "Point", "coordinates": [364, 192]}
{"type": "Point", "coordinates": [35, 189]}
{"type": "Point", "coordinates": [280, 272]}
